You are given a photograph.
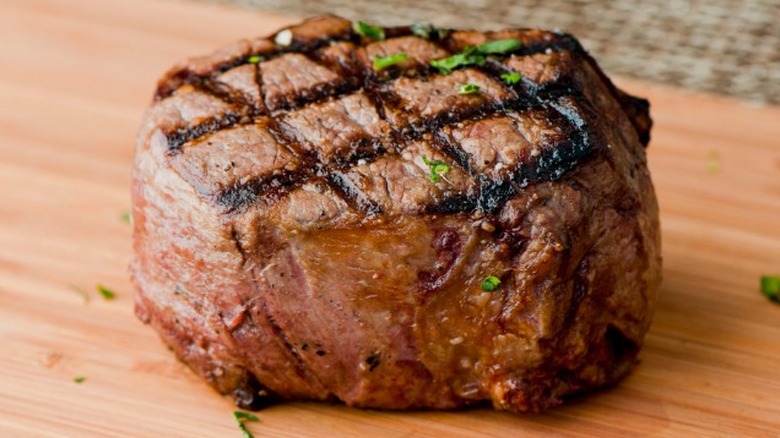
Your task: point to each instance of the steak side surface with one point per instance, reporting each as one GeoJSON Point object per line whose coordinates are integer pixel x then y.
{"type": "Point", "coordinates": [310, 226]}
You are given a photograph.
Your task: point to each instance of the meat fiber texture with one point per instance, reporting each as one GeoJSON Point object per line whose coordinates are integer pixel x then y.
{"type": "Point", "coordinates": [292, 241]}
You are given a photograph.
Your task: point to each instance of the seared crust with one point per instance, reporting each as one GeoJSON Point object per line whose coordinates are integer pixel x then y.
{"type": "Point", "coordinates": [290, 244]}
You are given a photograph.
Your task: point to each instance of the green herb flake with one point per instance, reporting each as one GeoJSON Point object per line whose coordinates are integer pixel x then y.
{"type": "Point", "coordinates": [422, 30]}
{"type": "Point", "coordinates": [80, 290]}
{"type": "Point", "coordinates": [511, 78]}
{"type": "Point", "coordinates": [364, 29]}
{"type": "Point", "coordinates": [79, 379]}
{"type": "Point", "coordinates": [499, 46]}
{"type": "Point", "coordinates": [490, 283]}
{"type": "Point", "coordinates": [126, 217]}
{"type": "Point", "coordinates": [475, 55]}
{"type": "Point", "coordinates": [105, 292]}
{"type": "Point", "coordinates": [382, 62]}
{"type": "Point", "coordinates": [713, 163]}
{"type": "Point", "coordinates": [428, 31]}
{"type": "Point", "coordinates": [770, 287]}
{"type": "Point", "coordinates": [469, 89]}
{"type": "Point", "coordinates": [437, 168]}
{"type": "Point", "coordinates": [467, 57]}
{"type": "Point", "coordinates": [254, 59]}
{"type": "Point", "coordinates": [243, 417]}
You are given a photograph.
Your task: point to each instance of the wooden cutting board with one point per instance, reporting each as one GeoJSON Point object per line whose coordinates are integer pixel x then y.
{"type": "Point", "coordinates": [75, 77]}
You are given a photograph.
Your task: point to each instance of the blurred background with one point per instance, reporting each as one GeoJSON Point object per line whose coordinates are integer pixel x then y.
{"type": "Point", "coordinates": [729, 47]}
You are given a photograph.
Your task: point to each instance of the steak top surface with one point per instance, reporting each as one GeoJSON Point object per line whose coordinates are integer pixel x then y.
{"type": "Point", "coordinates": [315, 213]}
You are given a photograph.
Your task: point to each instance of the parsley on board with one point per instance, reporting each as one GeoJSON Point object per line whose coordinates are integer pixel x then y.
{"type": "Point", "coordinates": [105, 292]}
{"type": "Point", "coordinates": [243, 417]}
{"type": "Point", "coordinates": [770, 287]}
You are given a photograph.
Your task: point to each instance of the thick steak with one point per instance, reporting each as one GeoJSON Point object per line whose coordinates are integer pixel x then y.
{"type": "Point", "coordinates": [310, 226]}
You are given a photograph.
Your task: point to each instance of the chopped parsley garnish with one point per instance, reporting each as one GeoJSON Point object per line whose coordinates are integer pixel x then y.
{"type": "Point", "coordinates": [437, 168]}
{"type": "Point", "coordinates": [499, 46]}
{"type": "Point", "coordinates": [770, 287]}
{"type": "Point", "coordinates": [364, 29]}
{"type": "Point", "coordinates": [475, 55]}
{"type": "Point", "coordinates": [243, 417]}
{"type": "Point", "coordinates": [106, 292]}
{"type": "Point", "coordinates": [511, 78]}
{"type": "Point", "coordinates": [490, 283]}
{"type": "Point", "coordinates": [382, 62]}
{"type": "Point", "coordinates": [469, 89]}
{"type": "Point", "coordinates": [79, 379]}
{"type": "Point", "coordinates": [254, 59]}
{"type": "Point", "coordinates": [469, 56]}
{"type": "Point", "coordinates": [126, 217]}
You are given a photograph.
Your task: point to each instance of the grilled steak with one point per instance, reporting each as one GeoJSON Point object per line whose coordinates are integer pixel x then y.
{"type": "Point", "coordinates": [325, 215]}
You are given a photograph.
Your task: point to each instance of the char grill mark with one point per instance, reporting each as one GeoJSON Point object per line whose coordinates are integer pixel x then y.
{"type": "Point", "coordinates": [353, 197]}
{"type": "Point", "coordinates": [492, 194]}
{"type": "Point", "coordinates": [454, 204]}
{"type": "Point", "coordinates": [400, 112]}
{"type": "Point", "coordinates": [243, 87]}
{"type": "Point", "coordinates": [179, 137]}
{"type": "Point", "coordinates": [271, 189]}
{"type": "Point", "coordinates": [455, 153]}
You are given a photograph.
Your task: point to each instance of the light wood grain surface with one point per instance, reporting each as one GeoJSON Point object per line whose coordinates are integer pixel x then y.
{"type": "Point", "coordinates": [75, 77]}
